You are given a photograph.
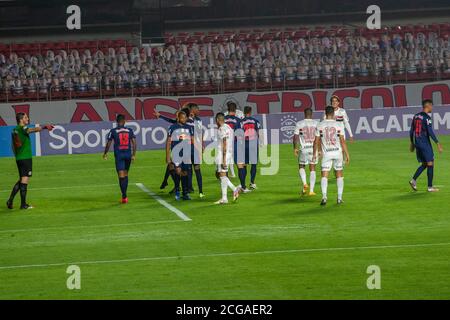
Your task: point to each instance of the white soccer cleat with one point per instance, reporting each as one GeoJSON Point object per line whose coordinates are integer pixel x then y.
{"type": "Point", "coordinates": [221, 201]}
{"type": "Point", "coordinates": [253, 186]}
{"type": "Point", "coordinates": [433, 189]}
{"type": "Point", "coordinates": [246, 190]}
{"type": "Point", "coordinates": [236, 194]}
{"type": "Point", "coordinates": [201, 195]}
{"type": "Point", "coordinates": [413, 185]}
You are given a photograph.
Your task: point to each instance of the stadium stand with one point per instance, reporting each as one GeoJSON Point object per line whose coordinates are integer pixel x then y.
{"type": "Point", "coordinates": [225, 61]}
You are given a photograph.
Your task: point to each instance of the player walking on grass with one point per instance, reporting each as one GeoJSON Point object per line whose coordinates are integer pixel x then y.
{"type": "Point", "coordinates": [196, 157]}
{"type": "Point", "coordinates": [330, 140]}
{"type": "Point", "coordinates": [224, 158]}
{"type": "Point", "coordinates": [179, 140]}
{"type": "Point", "coordinates": [304, 136]}
{"type": "Point", "coordinates": [21, 144]}
{"type": "Point", "coordinates": [420, 133]}
{"type": "Point", "coordinates": [124, 152]}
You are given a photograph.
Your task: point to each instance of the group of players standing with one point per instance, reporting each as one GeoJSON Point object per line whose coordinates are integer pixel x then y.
{"type": "Point", "coordinates": [237, 141]}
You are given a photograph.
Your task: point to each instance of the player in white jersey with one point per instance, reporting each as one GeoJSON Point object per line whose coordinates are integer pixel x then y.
{"type": "Point", "coordinates": [304, 136]}
{"type": "Point", "coordinates": [340, 115]}
{"type": "Point", "coordinates": [224, 157]}
{"type": "Point", "coordinates": [330, 140]}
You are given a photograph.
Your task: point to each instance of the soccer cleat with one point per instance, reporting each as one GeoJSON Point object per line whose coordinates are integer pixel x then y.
{"type": "Point", "coordinates": [305, 189]}
{"type": "Point", "coordinates": [163, 185]}
{"type": "Point", "coordinates": [9, 204]}
{"type": "Point", "coordinates": [433, 189]}
{"type": "Point", "coordinates": [201, 195]}
{"type": "Point", "coordinates": [324, 202]}
{"type": "Point", "coordinates": [236, 194]}
{"type": "Point", "coordinates": [177, 195]}
{"type": "Point", "coordinates": [253, 186]}
{"type": "Point", "coordinates": [221, 201]}
{"type": "Point", "coordinates": [311, 193]}
{"type": "Point", "coordinates": [413, 185]}
{"type": "Point", "coordinates": [26, 207]}
{"type": "Point", "coordinates": [246, 190]}
{"type": "Point", "coordinates": [340, 201]}
{"type": "Point", "coordinates": [186, 197]}
{"type": "Point", "coordinates": [124, 200]}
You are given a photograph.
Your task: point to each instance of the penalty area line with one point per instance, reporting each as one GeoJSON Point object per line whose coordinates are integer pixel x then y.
{"type": "Point", "coordinates": [227, 254]}
{"type": "Point", "coordinates": [180, 214]}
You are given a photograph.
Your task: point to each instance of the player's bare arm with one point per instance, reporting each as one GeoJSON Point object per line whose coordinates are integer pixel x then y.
{"type": "Point", "coordinates": [134, 148]}
{"type": "Point", "coordinates": [316, 147]}
{"type": "Point", "coordinates": [345, 150]}
{"type": "Point", "coordinates": [296, 145]}
{"type": "Point", "coordinates": [168, 157]}
{"type": "Point", "coordinates": [107, 147]}
{"type": "Point", "coordinates": [224, 153]}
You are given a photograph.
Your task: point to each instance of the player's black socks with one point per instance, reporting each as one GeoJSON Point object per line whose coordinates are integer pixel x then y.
{"type": "Point", "coordinates": [198, 176]}
{"type": "Point", "coordinates": [123, 182]}
{"type": "Point", "coordinates": [430, 174]}
{"type": "Point", "coordinates": [241, 174]}
{"type": "Point", "coordinates": [185, 184]}
{"type": "Point", "coordinates": [176, 180]}
{"type": "Point", "coordinates": [253, 173]}
{"type": "Point", "coordinates": [419, 172]}
{"type": "Point", "coordinates": [14, 191]}
{"type": "Point", "coordinates": [189, 177]}
{"type": "Point", "coordinates": [23, 194]}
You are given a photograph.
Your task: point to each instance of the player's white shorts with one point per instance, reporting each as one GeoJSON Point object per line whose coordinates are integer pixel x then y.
{"type": "Point", "coordinates": [333, 161]}
{"type": "Point", "coordinates": [305, 157]}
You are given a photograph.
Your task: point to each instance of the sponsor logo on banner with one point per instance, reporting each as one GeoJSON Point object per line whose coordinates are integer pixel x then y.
{"type": "Point", "coordinates": [288, 124]}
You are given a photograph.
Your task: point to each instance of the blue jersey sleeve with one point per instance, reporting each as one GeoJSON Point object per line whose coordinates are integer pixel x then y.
{"type": "Point", "coordinates": [431, 131]}
{"type": "Point", "coordinates": [170, 120]}
{"type": "Point", "coordinates": [111, 135]}
{"type": "Point", "coordinates": [132, 135]}
{"type": "Point", "coordinates": [411, 131]}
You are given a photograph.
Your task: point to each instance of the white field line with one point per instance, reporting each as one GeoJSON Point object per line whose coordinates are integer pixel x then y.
{"type": "Point", "coordinates": [90, 226]}
{"type": "Point", "coordinates": [230, 254]}
{"type": "Point", "coordinates": [69, 187]}
{"type": "Point", "coordinates": [180, 214]}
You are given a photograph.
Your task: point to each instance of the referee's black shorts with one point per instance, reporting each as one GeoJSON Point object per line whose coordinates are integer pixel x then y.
{"type": "Point", "coordinates": [25, 167]}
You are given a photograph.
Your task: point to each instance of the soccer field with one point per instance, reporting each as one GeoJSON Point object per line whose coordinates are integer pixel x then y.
{"type": "Point", "coordinates": [271, 244]}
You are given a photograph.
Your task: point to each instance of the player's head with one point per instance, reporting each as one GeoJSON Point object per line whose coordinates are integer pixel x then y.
{"type": "Point", "coordinates": [308, 113]}
{"type": "Point", "coordinates": [220, 119]}
{"type": "Point", "coordinates": [427, 105]}
{"type": "Point", "coordinates": [335, 102]}
{"type": "Point", "coordinates": [247, 111]}
{"type": "Point", "coordinates": [329, 112]}
{"type": "Point", "coordinates": [22, 118]}
{"type": "Point", "coordinates": [182, 117]}
{"type": "Point", "coordinates": [231, 106]}
{"type": "Point", "coordinates": [195, 110]}
{"type": "Point", "coordinates": [120, 119]}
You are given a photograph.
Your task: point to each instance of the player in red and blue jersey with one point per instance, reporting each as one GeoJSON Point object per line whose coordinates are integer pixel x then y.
{"type": "Point", "coordinates": [250, 127]}
{"type": "Point", "coordinates": [196, 124]}
{"type": "Point", "coordinates": [234, 122]}
{"type": "Point", "coordinates": [124, 152]}
{"type": "Point", "coordinates": [420, 134]}
{"type": "Point", "coordinates": [178, 152]}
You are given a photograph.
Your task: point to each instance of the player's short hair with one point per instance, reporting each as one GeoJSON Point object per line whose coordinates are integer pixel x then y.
{"type": "Point", "coordinates": [426, 101]}
{"type": "Point", "coordinates": [247, 110]}
{"type": "Point", "coordinates": [193, 106]}
{"type": "Point", "coordinates": [182, 113]}
{"type": "Point", "coordinates": [120, 118]}
{"type": "Point", "coordinates": [186, 111]}
{"type": "Point", "coordinates": [335, 97]}
{"type": "Point", "coordinates": [308, 112]}
{"type": "Point", "coordinates": [220, 116]}
{"type": "Point", "coordinates": [231, 107]}
{"type": "Point", "coordinates": [329, 110]}
{"type": "Point", "coordinates": [20, 116]}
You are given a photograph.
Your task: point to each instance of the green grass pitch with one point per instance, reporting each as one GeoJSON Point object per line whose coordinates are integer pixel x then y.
{"type": "Point", "coordinates": [272, 244]}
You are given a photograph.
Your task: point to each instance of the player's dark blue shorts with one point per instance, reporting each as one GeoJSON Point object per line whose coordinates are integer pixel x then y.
{"type": "Point", "coordinates": [424, 153]}
{"type": "Point", "coordinates": [123, 162]}
{"type": "Point", "coordinates": [251, 152]}
{"type": "Point", "coordinates": [183, 166]}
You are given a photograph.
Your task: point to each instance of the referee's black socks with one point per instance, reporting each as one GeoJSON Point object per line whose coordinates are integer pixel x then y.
{"type": "Point", "coordinates": [23, 194]}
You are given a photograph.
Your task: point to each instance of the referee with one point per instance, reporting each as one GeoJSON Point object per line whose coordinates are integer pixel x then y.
{"type": "Point", "coordinates": [21, 145]}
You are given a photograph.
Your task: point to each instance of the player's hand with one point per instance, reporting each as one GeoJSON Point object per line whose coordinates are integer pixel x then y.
{"type": "Point", "coordinates": [105, 156]}
{"type": "Point", "coordinates": [157, 114]}
{"type": "Point", "coordinates": [168, 160]}
{"type": "Point", "coordinates": [440, 148]}
{"type": "Point", "coordinates": [352, 140]}
{"type": "Point", "coordinates": [412, 147]}
{"type": "Point", "coordinates": [48, 127]}
{"type": "Point", "coordinates": [296, 151]}
{"type": "Point", "coordinates": [347, 160]}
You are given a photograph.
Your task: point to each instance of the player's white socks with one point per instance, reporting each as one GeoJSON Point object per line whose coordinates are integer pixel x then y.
{"type": "Point", "coordinates": [312, 180]}
{"type": "Point", "coordinates": [230, 184]}
{"type": "Point", "coordinates": [302, 173]}
{"type": "Point", "coordinates": [224, 186]}
{"type": "Point", "coordinates": [340, 187]}
{"type": "Point", "coordinates": [324, 186]}
{"type": "Point", "coordinates": [231, 169]}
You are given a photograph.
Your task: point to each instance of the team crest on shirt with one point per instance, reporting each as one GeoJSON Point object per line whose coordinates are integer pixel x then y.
{"type": "Point", "coordinates": [287, 128]}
